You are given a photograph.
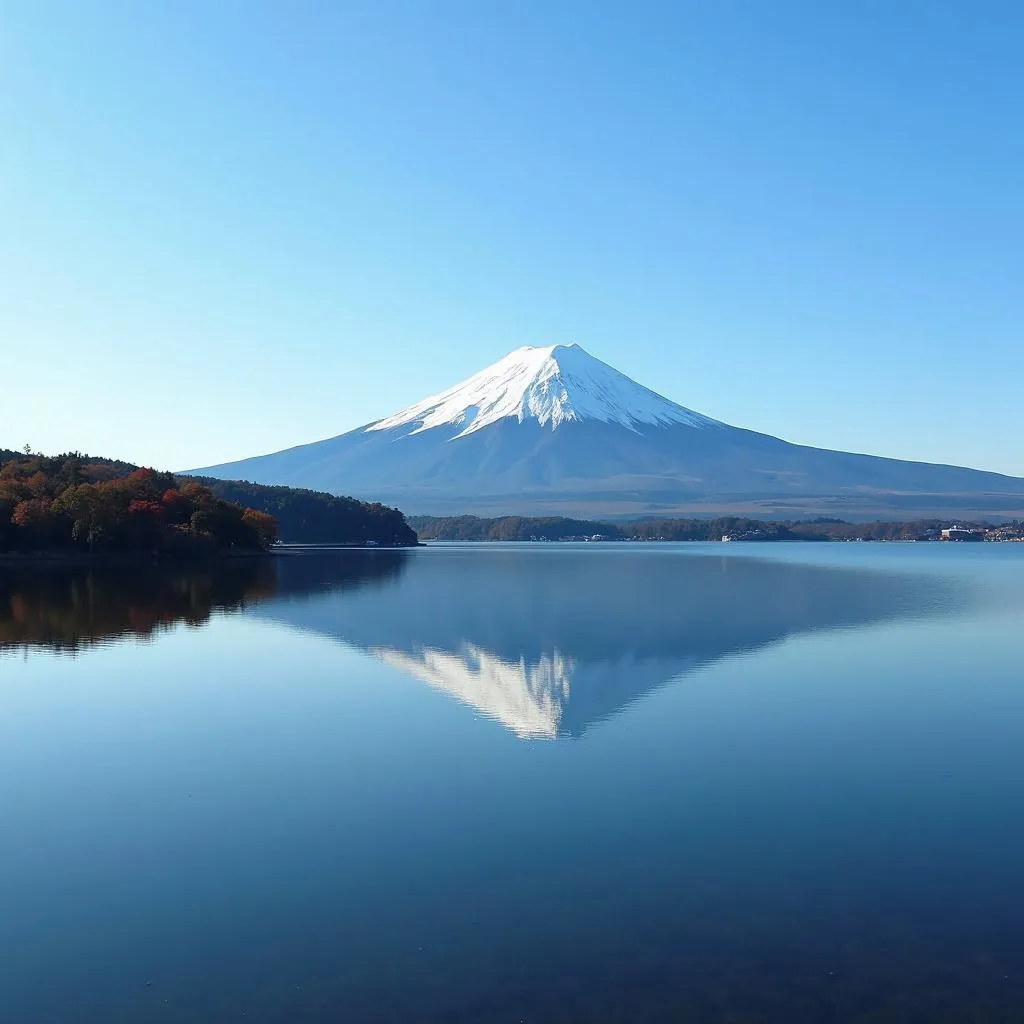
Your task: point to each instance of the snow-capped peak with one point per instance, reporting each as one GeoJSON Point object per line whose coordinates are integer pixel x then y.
{"type": "Point", "coordinates": [551, 384]}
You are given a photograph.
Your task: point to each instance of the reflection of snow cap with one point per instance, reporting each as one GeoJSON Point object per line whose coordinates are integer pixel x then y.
{"type": "Point", "coordinates": [532, 699]}
{"type": "Point", "coordinates": [529, 699]}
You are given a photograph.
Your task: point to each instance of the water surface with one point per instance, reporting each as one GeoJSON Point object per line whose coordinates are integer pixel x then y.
{"type": "Point", "coordinates": [523, 783]}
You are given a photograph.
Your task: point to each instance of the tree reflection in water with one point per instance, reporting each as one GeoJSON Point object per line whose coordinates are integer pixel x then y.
{"type": "Point", "coordinates": [70, 607]}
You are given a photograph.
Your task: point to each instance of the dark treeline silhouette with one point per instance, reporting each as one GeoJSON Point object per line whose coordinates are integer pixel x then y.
{"type": "Point", "coordinates": [69, 607]}
{"type": "Point", "coordinates": [76, 503]}
{"type": "Point", "coordinates": [508, 528]}
{"type": "Point", "coordinates": [523, 528]}
{"type": "Point", "coordinates": [312, 517]}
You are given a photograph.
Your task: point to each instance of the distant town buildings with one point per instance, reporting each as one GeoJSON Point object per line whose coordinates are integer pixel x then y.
{"type": "Point", "coordinates": [961, 533]}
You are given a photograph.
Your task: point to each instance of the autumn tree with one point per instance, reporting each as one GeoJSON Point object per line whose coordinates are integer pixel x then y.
{"type": "Point", "coordinates": [39, 484]}
{"type": "Point", "coordinates": [264, 525]}
{"type": "Point", "coordinates": [177, 507]}
{"type": "Point", "coordinates": [89, 509]}
{"type": "Point", "coordinates": [32, 513]}
{"type": "Point", "coordinates": [75, 500]}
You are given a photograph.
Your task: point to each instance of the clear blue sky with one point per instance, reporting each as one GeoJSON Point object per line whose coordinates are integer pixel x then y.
{"type": "Point", "coordinates": [227, 228]}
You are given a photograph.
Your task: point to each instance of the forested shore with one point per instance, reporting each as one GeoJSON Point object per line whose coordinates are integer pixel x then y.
{"type": "Point", "coordinates": [733, 528]}
{"type": "Point", "coordinates": [75, 506]}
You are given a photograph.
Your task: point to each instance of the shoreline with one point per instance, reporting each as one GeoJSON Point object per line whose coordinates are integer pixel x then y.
{"type": "Point", "coordinates": [103, 558]}
{"type": "Point", "coordinates": [31, 558]}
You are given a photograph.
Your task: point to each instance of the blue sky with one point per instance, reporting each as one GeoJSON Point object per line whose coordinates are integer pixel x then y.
{"type": "Point", "coordinates": [227, 228]}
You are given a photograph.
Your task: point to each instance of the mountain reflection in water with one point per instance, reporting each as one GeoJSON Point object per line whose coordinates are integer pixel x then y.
{"type": "Point", "coordinates": [546, 641]}
{"type": "Point", "coordinates": [551, 640]}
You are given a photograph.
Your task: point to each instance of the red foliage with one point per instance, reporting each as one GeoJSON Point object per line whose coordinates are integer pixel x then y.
{"type": "Point", "coordinates": [34, 512]}
{"type": "Point", "coordinates": [68, 500]}
{"type": "Point", "coordinates": [141, 507]}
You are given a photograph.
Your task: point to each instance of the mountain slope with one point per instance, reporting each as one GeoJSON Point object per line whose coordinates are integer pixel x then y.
{"type": "Point", "coordinates": [554, 429]}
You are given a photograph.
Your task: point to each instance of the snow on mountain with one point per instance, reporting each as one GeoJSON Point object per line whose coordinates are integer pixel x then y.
{"type": "Point", "coordinates": [554, 384]}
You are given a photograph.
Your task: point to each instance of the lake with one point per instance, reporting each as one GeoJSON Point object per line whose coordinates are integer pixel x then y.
{"type": "Point", "coordinates": [603, 782]}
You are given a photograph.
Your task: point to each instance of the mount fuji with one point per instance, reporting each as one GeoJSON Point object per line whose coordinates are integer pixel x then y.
{"type": "Point", "coordinates": [553, 430]}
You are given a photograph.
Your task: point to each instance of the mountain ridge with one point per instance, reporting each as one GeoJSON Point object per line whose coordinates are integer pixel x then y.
{"type": "Point", "coordinates": [553, 429]}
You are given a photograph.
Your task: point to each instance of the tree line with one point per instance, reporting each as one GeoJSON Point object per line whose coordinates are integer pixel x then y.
{"type": "Point", "coordinates": [312, 517]}
{"type": "Point", "coordinates": [70, 503]}
{"type": "Point", "coordinates": [526, 528]}
{"type": "Point", "coordinates": [79, 503]}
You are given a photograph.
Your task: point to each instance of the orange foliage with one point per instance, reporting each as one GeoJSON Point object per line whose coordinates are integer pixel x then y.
{"type": "Point", "coordinates": [265, 525]}
{"type": "Point", "coordinates": [34, 512]}
{"type": "Point", "coordinates": [38, 484]}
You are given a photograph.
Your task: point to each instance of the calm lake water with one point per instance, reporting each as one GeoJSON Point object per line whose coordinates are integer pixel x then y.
{"type": "Point", "coordinates": [527, 783]}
